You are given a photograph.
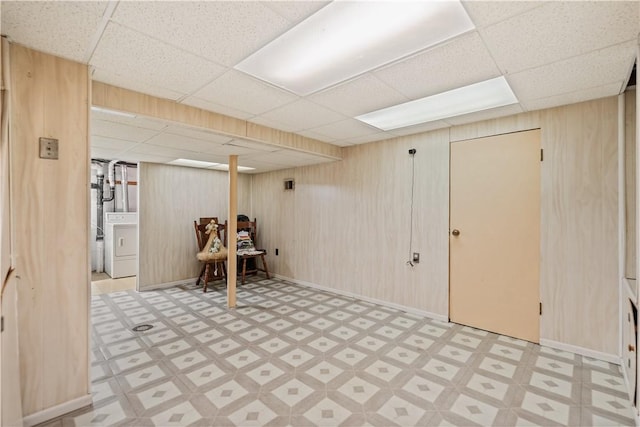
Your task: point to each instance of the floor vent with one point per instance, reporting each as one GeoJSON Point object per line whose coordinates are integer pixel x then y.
{"type": "Point", "coordinates": [142, 328]}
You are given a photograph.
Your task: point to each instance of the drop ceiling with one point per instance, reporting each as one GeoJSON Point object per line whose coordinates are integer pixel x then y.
{"type": "Point", "coordinates": [551, 54]}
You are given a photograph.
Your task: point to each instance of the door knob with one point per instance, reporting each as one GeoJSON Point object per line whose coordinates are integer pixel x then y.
{"type": "Point", "coordinates": [631, 348]}
{"type": "Point", "coordinates": [455, 232]}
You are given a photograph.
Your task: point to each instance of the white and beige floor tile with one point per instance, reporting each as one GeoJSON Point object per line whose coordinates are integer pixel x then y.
{"type": "Point", "coordinates": [290, 355]}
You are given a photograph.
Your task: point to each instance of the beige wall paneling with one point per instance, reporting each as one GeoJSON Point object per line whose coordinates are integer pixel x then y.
{"type": "Point", "coordinates": [579, 271]}
{"type": "Point", "coordinates": [50, 209]}
{"type": "Point", "coordinates": [276, 217]}
{"type": "Point", "coordinates": [360, 207]}
{"type": "Point", "coordinates": [346, 225]}
{"type": "Point", "coordinates": [509, 124]}
{"type": "Point", "coordinates": [116, 98]}
{"type": "Point", "coordinates": [170, 199]}
{"type": "Point", "coordinates": [579, 237]}
{"type": "Point", "coordinates": [630, 184]}
{"type": "Point", "coordinates": [10, 397]}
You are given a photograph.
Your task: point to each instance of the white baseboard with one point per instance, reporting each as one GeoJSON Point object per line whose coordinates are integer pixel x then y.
{"type": "Point", "coordinates": [439, 317]}
{"type": "Point", "coordinates": [167, 284]}
{"type": "Point", "coordinates": [606, 357]}
{"type": "Point", "coordinates": [56, 411]}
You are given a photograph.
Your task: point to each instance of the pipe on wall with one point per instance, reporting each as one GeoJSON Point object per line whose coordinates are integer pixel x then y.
{"type": "Point", "coordinates": [125, 190]}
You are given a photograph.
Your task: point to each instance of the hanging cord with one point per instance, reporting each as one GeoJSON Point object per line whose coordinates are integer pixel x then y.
{"type": "Point", "coordinates": [412, 153]}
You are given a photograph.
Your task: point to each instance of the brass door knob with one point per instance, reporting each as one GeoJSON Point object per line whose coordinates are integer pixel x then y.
{"type": "Point", "coordinates": [455, 232]}
{"type": "Point", "coordinates": [631, 348]}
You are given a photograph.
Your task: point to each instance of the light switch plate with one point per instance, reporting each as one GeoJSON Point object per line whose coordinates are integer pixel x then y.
{"type": "Point", "coordinates": [48, 148]}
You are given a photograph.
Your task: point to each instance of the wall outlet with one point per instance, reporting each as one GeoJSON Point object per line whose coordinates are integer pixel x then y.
{"type": "Point", "coordinates": [416, 257]}
{"type": "Point", "coordinates": [48, 148]}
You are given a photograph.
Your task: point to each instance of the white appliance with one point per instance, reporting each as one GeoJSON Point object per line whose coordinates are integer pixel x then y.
{"type": "Point", "coordinates": [121, 244]}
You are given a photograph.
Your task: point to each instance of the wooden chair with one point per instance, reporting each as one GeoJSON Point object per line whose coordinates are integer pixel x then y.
{"type": "Point", "coordinates": [242, 258]}
{"type": "Point", "coordinates": [215, 269]}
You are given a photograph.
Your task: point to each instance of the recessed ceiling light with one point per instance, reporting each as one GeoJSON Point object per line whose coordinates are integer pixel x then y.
{"type": "Point", "coordinates": [347, 38]}
{"type": "Point", "coordinates": [192, 163]}
{"type": "Point", "coordinates": [480, 96]}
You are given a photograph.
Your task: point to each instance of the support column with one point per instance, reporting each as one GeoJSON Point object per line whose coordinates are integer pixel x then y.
{"type": "Point", "coordinates": [232, 237]}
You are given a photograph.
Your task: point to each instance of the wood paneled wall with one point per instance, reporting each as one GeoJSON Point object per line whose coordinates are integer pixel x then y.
{"type": "Point", "coordinates": [346, 225]}
{"type": "Point", "coordinates": [630, 183]}
{"type": "Point", "coordinates": [170, 199]}
{"type": "Point", "coordinates": [50, 98]}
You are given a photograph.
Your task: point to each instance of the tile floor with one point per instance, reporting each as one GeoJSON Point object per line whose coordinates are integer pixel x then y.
{"type": "Point", "coordinates": [291, 355]}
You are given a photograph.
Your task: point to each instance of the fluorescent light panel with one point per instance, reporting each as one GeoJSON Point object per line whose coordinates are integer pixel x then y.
{"type": "Point", "coordinates": [192, 163]}
{"type": "Point", "coordinates": [480, 96]}
{"type": "Point", "coordinates": [347, 38]}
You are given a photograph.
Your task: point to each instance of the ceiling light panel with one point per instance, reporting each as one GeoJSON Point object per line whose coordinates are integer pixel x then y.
{"type": "Point", "coordinates": [468, 99]}
{"type": "Point", "coordinates": [345, 39]}
{"type": "Point", "coordinates": [191, 163]}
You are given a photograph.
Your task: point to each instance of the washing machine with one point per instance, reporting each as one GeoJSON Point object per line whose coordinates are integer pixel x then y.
{"type": "Point", "coordinates": [121, 244]}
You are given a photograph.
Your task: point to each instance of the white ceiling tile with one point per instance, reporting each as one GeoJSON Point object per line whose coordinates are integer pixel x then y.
{"type": "Point", "coordinates": [181, 142]}
{"type": "Point", "coordinates": [380, 136]}
{"type": "Point", "coordinates": [302, 114]}
{"type": "Point", "coordinates": [137, 121]}
{"type": "Point", "coordinates": [224, 32]}
{"type": "Point", "coordinates": [350, 128]}
{"type": "Point", "coordinates": [493, 113]}
{"type": "Point", "coordinates": [191, 132]}
{"type": "Point", "coordinates": [139, 157]}
{"type": "Point", "coordinates": [463, 61]}
{"type": "Point", "coordinates": [62, 28]}
{"type": "Point", "coordinates": [565, 29]}
{"type": "Point", "coordinates": [260, 120]}
{"type": "Point", "coordinates": [112, 78]}
{"type": "Point", "coordinates": [257, 146]}
{"type": "Point", "coordinates": [359, 96]}
{"type": "Point", "coordinates": [230, 148]}
{"type": "Point", "coordinates": [121, 131]}
{"type": "Point", "coordinates": [484, 13]}
{"type": "Point", "coordinates": [157, 150]}
{"type": "Point", "coordinates": [239, 91]}
{"type": "Point", "coordinates": [296, 11]}
{"type": "Point", "coordinates": [574, 97]}
{"type": "Point", "coordinates": [315, 135]}
{"type": "Point", "coordinates": [103, 153]}
{"type": "Point", "coordinates": [111, 143]}
{"type": "Point", "coordinates": [151, 61]}
{"type": "Point", "coordinates": [577, 73]}
{"type": "Point", "coordinates": [216, 108]}
{"type": "Point", "coordinates": [425, 127]}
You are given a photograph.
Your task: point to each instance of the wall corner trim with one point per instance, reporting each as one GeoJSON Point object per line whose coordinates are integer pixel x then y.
{"type": "Point", "coordinates": [434, 316]}
{"type": "Point", "coordinates": [56, 411]}
{"type": "Point", "coordinates": [157, 286]}
{"type": "Point", "coordinates": [606, 357]}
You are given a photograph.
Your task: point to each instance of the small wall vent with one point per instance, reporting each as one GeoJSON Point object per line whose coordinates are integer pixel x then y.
{"type": "Point", "coordinates": [289, 184]}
